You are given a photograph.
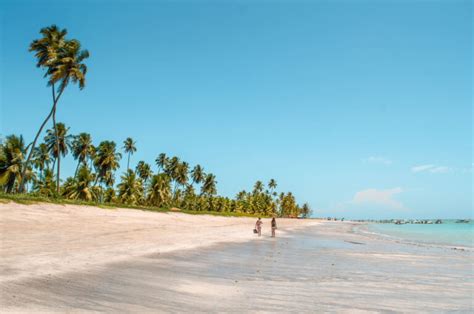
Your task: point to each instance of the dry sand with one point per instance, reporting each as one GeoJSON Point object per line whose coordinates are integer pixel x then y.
{"type": "Point", "coordinates": [83, 259]}
{"type": "Point", "coordinates": [45, 239]}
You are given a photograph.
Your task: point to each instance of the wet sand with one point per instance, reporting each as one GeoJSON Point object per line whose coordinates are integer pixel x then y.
{"type": "Point", "coordinates": [310, 266]}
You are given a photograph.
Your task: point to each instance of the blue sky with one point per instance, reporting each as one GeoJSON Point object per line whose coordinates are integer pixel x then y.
{"type": "Point", "coordinates": [363, 109]}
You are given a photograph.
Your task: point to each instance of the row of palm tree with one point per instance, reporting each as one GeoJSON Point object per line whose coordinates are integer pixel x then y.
{"type": "Point", "coordinates": [37, 168]}
{"type": "Point", "coordinates": [173, 184]}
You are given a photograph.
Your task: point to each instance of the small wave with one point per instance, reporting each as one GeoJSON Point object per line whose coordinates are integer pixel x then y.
{"type": "Point", "coordinates": [364, 230]}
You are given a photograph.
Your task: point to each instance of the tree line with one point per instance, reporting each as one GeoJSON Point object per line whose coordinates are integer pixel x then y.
{"type": "Point", "coordinates": [36, 169]}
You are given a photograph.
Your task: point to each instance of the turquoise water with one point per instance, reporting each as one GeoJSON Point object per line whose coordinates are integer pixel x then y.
{"type": "Point", "coordinates": [448, 233]}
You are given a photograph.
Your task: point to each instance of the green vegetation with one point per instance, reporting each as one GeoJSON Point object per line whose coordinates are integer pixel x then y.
{"type": "Point", "coordinates": [27, 173]}
{"type": "Point", "coordinates": [32, 198]}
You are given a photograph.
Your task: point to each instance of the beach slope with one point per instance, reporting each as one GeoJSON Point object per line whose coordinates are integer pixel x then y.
{"type": "Point", "coordinates": [78, 258]}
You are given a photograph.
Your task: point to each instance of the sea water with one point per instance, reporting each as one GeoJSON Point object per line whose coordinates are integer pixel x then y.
{"type": "Point", "coordinates": [447, 233]}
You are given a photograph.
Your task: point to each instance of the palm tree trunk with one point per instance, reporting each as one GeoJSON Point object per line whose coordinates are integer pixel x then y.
{"type": "Point", "coordinates": [57, 150]}
{"type": "Point", "coordinates": [174, 190]}
{"type": "Point", "coordinates": [128, 162]}
{"type": "Point", "coordinates": [53, 165]}
{"type": "Point", "coordinates": [58, 175]}
{"type": "Point", "coordinates": [30, 154]}
{"type": "Point", "coordinates": [96, 180]}
{"type": "Point", "coordinates": [77, 168]}
{"type": "Point", "coordinates": [33, 145]}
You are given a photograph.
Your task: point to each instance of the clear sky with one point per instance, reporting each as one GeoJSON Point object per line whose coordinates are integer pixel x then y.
{"type": "Point", "coordinates": [361, 108]}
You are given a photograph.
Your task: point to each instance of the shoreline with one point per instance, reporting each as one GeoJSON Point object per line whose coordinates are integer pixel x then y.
{"type": "Point", "coordinates": [363, 229]}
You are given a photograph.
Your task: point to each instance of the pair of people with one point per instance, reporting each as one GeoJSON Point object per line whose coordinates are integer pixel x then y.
{"type": "Point", "coordinates": [259, 223]}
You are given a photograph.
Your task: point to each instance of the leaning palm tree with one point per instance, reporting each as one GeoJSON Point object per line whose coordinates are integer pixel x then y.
{"type": "Point", "coordinates": [209, 185]}
{"type": "Point", "coordinates": [62, 60]}
{"type": "Point", "coordinates": [12, 152]}
{"type": "Point", "coordinates": [106, 161]}
{"type": "Point", "coordinates": [68, 69]}
{"type": "Point", "coordinates": [82, 148]}
{"type": "Point", "coordinates": [58, 143]}
{"type": "Point", "coordinates": [129, 148]}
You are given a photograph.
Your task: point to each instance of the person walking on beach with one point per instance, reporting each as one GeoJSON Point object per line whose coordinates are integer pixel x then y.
{"type": "Point", "coordinates": [258, 226]}
{"type": "Point", "coordinates": [274, 226]}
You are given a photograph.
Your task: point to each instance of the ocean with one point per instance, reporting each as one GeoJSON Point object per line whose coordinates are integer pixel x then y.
{"type": "Point", "coordinates": [448, 233]}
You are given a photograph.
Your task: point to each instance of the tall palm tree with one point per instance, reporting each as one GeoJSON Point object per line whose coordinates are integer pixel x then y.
{"type": "Point", "coordinates": [106, 161]}
{"type": "Point", "coordinates": [82, 148]}
{"type": "Point", "coordinates": [209, 185]}
{"type": "Point", "coordinates": [130, 190]}
{"type": "Point", "coordinates": [129, 148]}
{"type": "Point", "coordinates": [197, 174]}
{"type": "Point", "coordinates": [144, 171]}
{"type": "Point", "coordinates": [62, 60]}
{"type": "Point", "coordinates": [161, 161]}
{"type": "Point", "coordinates": [12, 152]}
{"type": "Point", "coordinates": [70, 68]}
{"type": "Point", "coordinates": [159, 191]}
{"type": "Point", "coordinates": [58, 143]}
{"type": "Point", "coordinates": [272, 184]}
{"type": "Point", "coordinates": [80, 187]}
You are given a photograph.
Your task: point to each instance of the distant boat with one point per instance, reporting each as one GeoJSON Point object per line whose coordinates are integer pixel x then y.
{"type": "Point", "coordinates": [439, 221]}
{"type": "Point", "coordinates": [462, 221]}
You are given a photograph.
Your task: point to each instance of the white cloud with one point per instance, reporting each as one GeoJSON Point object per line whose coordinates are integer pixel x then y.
{"type": "Point", "coordinates": [440, 169]}
{"type": "Point", "coordinates": [421, 168]}
{"type": "Point", "coordinates": [378, 160]}
{"type": "Point", "coordinates": [431, 168]}
{"type": "Point", "coordinates": [383, 198]}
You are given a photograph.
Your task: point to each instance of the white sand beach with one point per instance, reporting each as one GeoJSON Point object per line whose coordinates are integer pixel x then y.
{"type": "Point", "coordinates": [66, 258]}
{"type": "Point", "coordinates": [44, 239]}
